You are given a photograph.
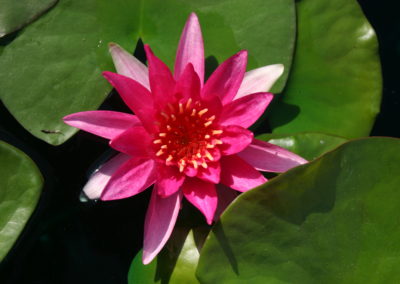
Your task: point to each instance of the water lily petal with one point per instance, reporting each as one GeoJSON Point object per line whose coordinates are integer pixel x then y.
{"type": "Point", "coordinates": [235, 139]}
{"type": "Point", "coordinates": [137, 97]}
{"type": "Point", "coordinates": [190, 49]}
{"type": "Point", "coordinates": [169, 180]}
{"type": "Point", "coordinates": [227, 78]}
{"type": "Point", "coordinates": [131, 178]}
{"type": "Point", "coordinates": [202, 195]}
{"type": "Point", "coordinates": [160, 220]}
{"type": "Point", "coordinates": [268, 157]}
{"type": "Point", "coordinates": [245, 111]}
{"type": "Point", "coordinates": [128, 65]}
{"type": "Point", "coordinates": [135, 142]}
{"type": "Point", "coordinates": [211, 174]}
{"type": "Point", "coordinates": [188, 85]}
{"type": "Point", "coordinates": [162, 82]}
{"type": "Point", "coordinates": [239, 175]}
{"type": "Point", "coordinates": [259, 80]}
{"type": "Point", "coordinates": [106, 124]}
{"type": "Point", "coordinates": [225, 197]}
{"type": "Point", "coordinates": [98, 181]}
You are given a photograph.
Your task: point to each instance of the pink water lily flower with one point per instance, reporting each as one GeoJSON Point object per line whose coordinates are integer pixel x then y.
{"type": "Point", "coordinates": [186, 136]}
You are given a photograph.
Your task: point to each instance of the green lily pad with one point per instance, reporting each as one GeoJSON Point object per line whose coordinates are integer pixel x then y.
{"type": "Point", "coordinates": [16, 14]}
{"type": "Point", "coordinates": [20, 188]}
{"type": "Point", "coordinates": [176, 263]}
{"type": "Point", "coordinates": [53, 67]}
{"type": "Point", "coordinates": [334, 220]}
{"type": "Point", "coordinates": [335, 83]}
{"type": "Point", "coordinates": [308, 145]}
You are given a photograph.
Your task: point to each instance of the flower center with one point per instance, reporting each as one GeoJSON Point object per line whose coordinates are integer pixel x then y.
{"type": "Point", "coordinates": [187, 133]}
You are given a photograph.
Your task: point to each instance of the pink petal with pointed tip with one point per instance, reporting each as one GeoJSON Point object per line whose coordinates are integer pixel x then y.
{"type": "Point", "coordinates": [135, 142]}
{"type": "Point", "coordinates": [211, 174]}
{"type": "Point", "coordinates": [188, 85]}
{"type": "Point", "coordinates": [270, 158]}
{"type": "Point", "coordinates": [259, 80]}
{"type": "Point", "coordinates": [160, 220]}
{"type": "Point", "coordinates": [131, 178]}
{"type": "Point", "coordinates": [162, 82]}
{"type": "Point", "coordinates": [202, 195]}
{"type": "Point", "coordinates": [235, 139]}
{"type": "Point", "coordinates": [226, 80]}
{"type": "Point", "coordinates": [190, 49]}
{"type": "Point", "coordinates": [245, 111]}
{"type": "Point", "coordinates": [239, 175]}
{"type": "Point", "coordinates": [98, 181]}
{"type": "Point", "coordinates": [169, 180]}
{"type": "Point", "coordinates": [106, 124]}
{"type": "Point", "coordinates": [137, 97]}
{"type": "Point", "coordinates": [128, 65]}
{"type": "Point", "coordinates": [225, 197]}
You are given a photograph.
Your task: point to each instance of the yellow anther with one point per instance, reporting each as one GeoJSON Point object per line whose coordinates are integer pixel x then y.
{"type": "Point", "coordinates": [165, 115]}
{"type": "Point", "coordinates": [193, 112]}
{"type": "Point", "coordinates": [164, 147]}
{"type": "Point", "coordinates": [217, 141]}
{"type": "Point", "coordinates": [207, 136]}
{"type": "Point", "coordinates": [169, 159]}
{"type": "Point", "coordinates": [157, 141]}
{"type": "Point", "coordinates": [198, 155]}
{"type": "Point", "coordinates": [211, 118]}
{"type": "Point", "coordinates": [180, 108]}
{"type": "Point", "coordinates": [204, 165]}
{"type": "Point", "coordinates": [208, 155]}
{"type": "Point", "coordinates": [210, 146]}
{"type": "Point", "coordinates": [207, 123]}
{"type": "Point", "coordinates": [173, 117]}
{"type": "Point", "coordinates": [181, 167]}
{"type": "Point", "coordinates": [159, 153]}
{"type": "Point", "coordinates": [188, 103]}
{"type": "Point", "coordinates": [162, 134]}
{"type": "Point", "coordinates": [195, 165]}
{"type": "Point", "coordinates": [203, 111]}
{"type": "Point", "coordinates": [216, 132]}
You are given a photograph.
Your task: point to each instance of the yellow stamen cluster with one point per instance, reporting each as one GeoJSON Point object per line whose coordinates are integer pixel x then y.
{"type": "Point", "coordinates": [188, 134]}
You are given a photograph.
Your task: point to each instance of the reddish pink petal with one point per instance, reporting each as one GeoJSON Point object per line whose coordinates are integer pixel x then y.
{"type": "Point", "coordinates": [131, 178]}
{"type": "Point", "coordinates": [202, 195]}
{"type": "Point", "coordinates": [245, 111]}
{"type": "Point", "coordinates": [188, 85]}
{"type": "Point", "coordinates": [169, 180]}
{"type": "Point", "coordinates": [226, 80]}
{"type": "Point", "coordinates": [225, 197]}
{"type": "Point", "coordinates": [106, 124]}
{"type": "Point", "coordinates": [270, 158]}
{"type": "Point", "coordinates": [211, 174]}
{"type": "Point", "coordinates": [190, 49]}
{"type": "Point", "coordinates": [126, 64]}
{"type": "Point", "coordinates": [239, 175]}
{"type": "Point", "coordinates": [235, 139]}
{"type": "Point", "coordinates": [98, 181]}
{"type": "Point", "coordinates": [259, 80]}
{"type": "Point", "coordinates": [135, 142]}
{"type": "Point", "coordinates": [137, 97]}
{"type": "Point", "coordinates": [162, 82]}
{"type": "Point", "coordinates": [160, 220]}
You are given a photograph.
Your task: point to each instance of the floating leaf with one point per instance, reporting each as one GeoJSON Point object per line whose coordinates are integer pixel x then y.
{"type": "Point", "coordinates": [308, 145]}
{"type": "Point", "coordinates": [16, 14]}
{"type": "Point", "coordinates": [334, 220]}
{"type": "Point", "coordinates": [53, 68]}
{"type": "Point", "coordinates": [20, 188]}
{"type": "Point", "coordinates": [335, 83]}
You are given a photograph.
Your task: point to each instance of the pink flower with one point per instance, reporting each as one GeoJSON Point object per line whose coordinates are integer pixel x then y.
{"type": "Point", "coordinates": [187, 136]}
